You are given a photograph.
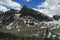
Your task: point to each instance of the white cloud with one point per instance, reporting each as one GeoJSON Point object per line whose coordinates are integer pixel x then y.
{"type": "Point", "coordinates": [51, 7]}
{"type": "Point", "coordinates": [11, 4]}
{"type": "Point", "coordinates": [27, 0]}
{"type": "Point", "coordinates": [2, 8]}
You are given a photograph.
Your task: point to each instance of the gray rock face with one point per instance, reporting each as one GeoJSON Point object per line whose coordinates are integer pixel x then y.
{"type": "Point", "coordinates": [56, 17]}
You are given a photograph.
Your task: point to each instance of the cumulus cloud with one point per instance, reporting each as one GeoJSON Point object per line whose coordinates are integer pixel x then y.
{"type": "Point", "coordinates": [27, 0]}
{"type": "Point", "coordinates": [11, 4]}
{"type": "Point", "coordinates": [2, 8]}
{"type": "Point", "coordinates": [51, 7]}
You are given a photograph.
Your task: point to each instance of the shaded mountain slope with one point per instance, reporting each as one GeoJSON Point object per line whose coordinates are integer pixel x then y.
{"type": "Point", "coordinates": [37, 15]}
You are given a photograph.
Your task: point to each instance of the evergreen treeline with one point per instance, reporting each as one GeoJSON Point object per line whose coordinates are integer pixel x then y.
{"type": "Point", "coordinates": [8, 36]}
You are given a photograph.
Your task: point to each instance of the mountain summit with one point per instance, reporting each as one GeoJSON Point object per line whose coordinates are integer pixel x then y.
{"type": "Point", "coordinates": [37, 15]}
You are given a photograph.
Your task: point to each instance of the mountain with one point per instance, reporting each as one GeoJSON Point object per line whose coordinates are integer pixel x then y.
{"type": "Point", "coordinates": [8, 16]}
{"type": "Point", "coordinates": [37, 15]}
{"type": "Point", "coordinates": [25, 22]}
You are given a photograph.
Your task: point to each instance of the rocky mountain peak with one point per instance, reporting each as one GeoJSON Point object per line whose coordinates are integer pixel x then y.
{"type": "Point", "coordinates": [37, 15]}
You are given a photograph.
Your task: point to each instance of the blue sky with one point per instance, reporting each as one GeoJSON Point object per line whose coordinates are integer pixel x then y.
{"type": "Point", "coordinates": [31, 3]}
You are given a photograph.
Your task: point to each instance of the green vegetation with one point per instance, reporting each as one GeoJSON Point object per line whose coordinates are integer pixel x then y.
{"type": "Point", "coordinates": [8, 36]}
